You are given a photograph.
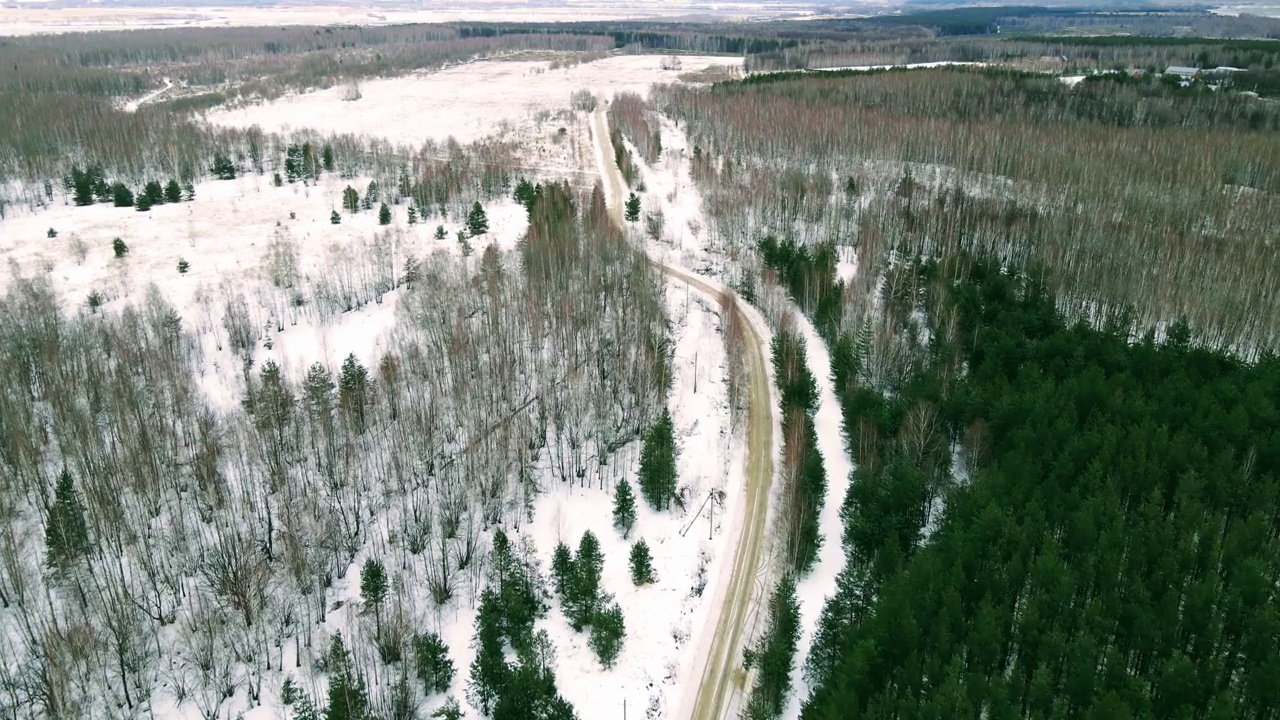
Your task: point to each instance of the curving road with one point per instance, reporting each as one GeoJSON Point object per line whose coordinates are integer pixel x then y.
{"type": "Point", "coordinates": [721, 677]}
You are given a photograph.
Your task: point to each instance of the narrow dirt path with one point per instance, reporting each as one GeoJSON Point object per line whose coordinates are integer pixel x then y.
{"type": "Point", "coordinates": [720, 679]}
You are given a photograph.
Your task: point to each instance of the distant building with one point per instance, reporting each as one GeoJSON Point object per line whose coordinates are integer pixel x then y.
{"type": "Point", "coordinates": [1186, 73]}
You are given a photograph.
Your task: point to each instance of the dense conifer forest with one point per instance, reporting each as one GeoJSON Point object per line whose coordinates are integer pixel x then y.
{"type": "Point", "coordinates": [1111, 548]}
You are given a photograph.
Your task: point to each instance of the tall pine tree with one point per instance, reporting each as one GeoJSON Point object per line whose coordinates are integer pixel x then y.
{"type": "Point", "coordinates": [489, 670]}
{"type": "Point", "coordinates": [624, 508]}
{"type": "Point", "coordinates": [66, 537]}
{"type": "Point", "coordinates": [584, 593]}
{"type": "Point", "coordinates": [348, 697]}
{"type": "Point", "coordinates": [353, 391]}
{"type": "Point", "coordinates": [658, 464]}
{"type": "Point", "coordinates": [641, 564]}
{"type": "Point", "coordinates": [477, 222]}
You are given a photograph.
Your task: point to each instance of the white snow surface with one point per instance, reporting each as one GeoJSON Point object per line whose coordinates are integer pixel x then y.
{"type": "Point", "coordinates": [466, 102]}
{"type": "Point", "coordinates": [813, 589]}
{"type": "Point", "coordinates": [30, 17]}
{"type": "Point", "coordinates": [224, 234]}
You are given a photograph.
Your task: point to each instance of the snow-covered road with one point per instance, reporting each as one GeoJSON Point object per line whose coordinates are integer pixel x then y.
{"type": "Point", "coordinates": [739, 593]}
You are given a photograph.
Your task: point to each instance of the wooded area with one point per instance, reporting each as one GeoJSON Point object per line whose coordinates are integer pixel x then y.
{"type": "Point", "coordinates": [192, 547]}
{"type": "Point", "coordinates": [1109, 186]}
{"type": "Point", "coordinates": [1066, 439]}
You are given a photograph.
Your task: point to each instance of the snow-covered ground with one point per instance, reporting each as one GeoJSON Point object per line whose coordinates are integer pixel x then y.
{"type": "Point", "coordinates": [685, 239]}
{"type": "Point", "coordinates": [29, 17]}
{"type": "Point", "coordinates": [465, 102]}
{"type": "Point", "coordinates": [813, 590]}
{"type": "Point", "coordinates": [225, 235]}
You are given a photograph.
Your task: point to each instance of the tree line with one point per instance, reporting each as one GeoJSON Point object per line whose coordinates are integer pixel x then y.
{"type": "Point", "coordinates": [1023, 168]}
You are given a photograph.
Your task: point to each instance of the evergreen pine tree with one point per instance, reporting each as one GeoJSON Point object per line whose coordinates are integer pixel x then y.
{"type": "Point", "coordinates": [293, 163]}
{"type": "Point", "coordinates": [305, 709]}
{"type": "Point", "coordinates": [477, 221]}
{"type": "Point", "coordinates": [66, 537]}
{"type": "Point", "coordinates": [82, 185]}
{"type": "Point", "coordinates": [348, 697]}
{"type": "Point", "coordinates": [607, 633]}
{"type": "Point", "coordinates": [119, 248]}
{"type": "Point", "coordinates": [489, 670]}
{"type": "Point", "coordinates": [272, 405]}
{"type": "Point", "coordinates": [432, 663]}
{"type": "Point", "coordinates": [172, 192]}
{"type": "Point", "coordinates": [633, 208]}
{"type": "Point", "coordinates": [412, 271]}
{"type": "Point", "coordinates": [658, 464]}
{"type": "Point", "coordinates": [154, 192]}
{"type": "Point", "coordinates": [448, 711]}
{"type": "Point", "coordinates": [773, 653]}
{"type": "Point", "coordinates": [335, 218]}
{"type": "Point", "coordinates": [624, 508]}
{"type": "Point", "coordinates": [223, 167]}
{"type": "Point", "coordinates": [121, 195]}
{"type": "Point", "coordinates": [525, 194]}
{"type": "Point", "coordinates": [101, 191]}
{"type": "Point", "coordinates": [384, 215]}
{"type": "Point", "coordinates": [350, 200]}
{"type": "Point", "coordinates": [289, 692]}
{"type": "Point", "coordinates": [143, 203]}
{"type": "Point", "coordinates": [183, 266]}
{"type": "Point", "coordinates": [641, 564]}
{"type": "Point", "coordinates": [562, 570]}
{"type": "Point", "coordinates": [373, 582]}
{"type": "Point", "coordinates": [413, 215]}
{"type": "Point", "coordinates": [326, 157]}
{"type": "Point", "coordinates": [584, 590]}
{"type": "Point", "coordinates": [353, 391]}
{"type": "Point", "coordinates": [188, 191]}
{"type": "Point", "coordinates": [440, 233]}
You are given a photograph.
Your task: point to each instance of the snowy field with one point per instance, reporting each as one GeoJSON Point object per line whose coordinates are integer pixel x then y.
{"type": "Point", "coordinates": [225, 235]}
{"type": "Point", "coordinates": [29, 17]}
{"type": "Point", "coordinates": [465, 102]}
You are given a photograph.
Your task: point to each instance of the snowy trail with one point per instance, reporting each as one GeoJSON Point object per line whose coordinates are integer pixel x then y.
{"type": "Point", "coordinates": [133, 105]}
{"type": "Point", "coordinates": [722, 680]}
{"type": "Point", "coordinates": [813, 590]}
